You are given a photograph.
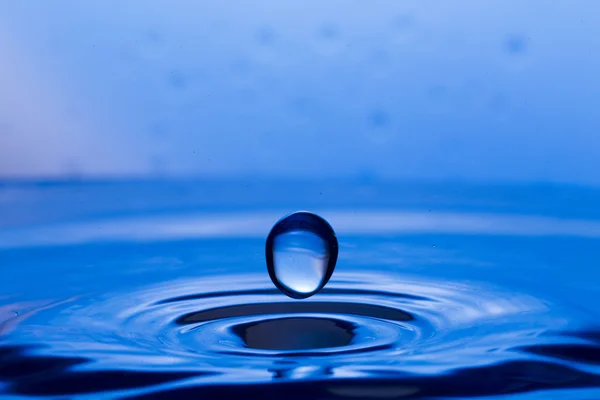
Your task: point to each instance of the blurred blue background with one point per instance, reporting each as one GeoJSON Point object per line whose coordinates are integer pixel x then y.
{"type": "Point", "coordinates": [495, 91]}
{"type": "Point", "coordinates": [147, 148]}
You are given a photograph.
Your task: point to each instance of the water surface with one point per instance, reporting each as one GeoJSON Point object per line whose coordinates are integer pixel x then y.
{"type": "Point", "coordinates": [112, 293]}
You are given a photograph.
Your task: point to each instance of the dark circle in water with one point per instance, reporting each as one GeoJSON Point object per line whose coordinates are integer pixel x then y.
{"type": "Point", "coordinates": [301, 253]}
{"type": "Point", "coordinates": [312, 307]}
{"type": "Point", "coordinates": [296, 333]}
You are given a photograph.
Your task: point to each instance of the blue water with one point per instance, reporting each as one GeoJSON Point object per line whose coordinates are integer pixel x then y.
{"type": "Point", "coordinates": [160, 290]}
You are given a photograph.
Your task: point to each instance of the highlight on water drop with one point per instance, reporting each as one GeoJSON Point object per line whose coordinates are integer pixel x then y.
{"type": "Point", "coordinates": [301, 252]}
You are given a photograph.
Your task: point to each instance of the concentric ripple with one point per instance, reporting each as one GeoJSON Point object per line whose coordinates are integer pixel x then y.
{"type": "Point", "coordinates": [376, 330]}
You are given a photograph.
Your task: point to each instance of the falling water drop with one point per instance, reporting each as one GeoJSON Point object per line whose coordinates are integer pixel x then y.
{"type": "Point", "coordinates": [301, 253]}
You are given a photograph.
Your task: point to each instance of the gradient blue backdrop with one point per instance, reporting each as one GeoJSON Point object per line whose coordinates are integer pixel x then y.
{"type": "Point", "coordinates": [463, 90]}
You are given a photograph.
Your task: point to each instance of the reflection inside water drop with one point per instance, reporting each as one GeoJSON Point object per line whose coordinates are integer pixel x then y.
{"type": "Point", "coordinates": [301, 254]}
{"type": "Point", "coordinates": [300, 260]}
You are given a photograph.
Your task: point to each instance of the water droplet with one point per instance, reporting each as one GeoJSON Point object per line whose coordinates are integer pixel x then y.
{"type": "Point", "coordinates": [403, 22]}
{"type": "Point", "coordinates": [301, 253]}
{"type": "Point", "coordinates": [154, 36]}
{"type": "Point", "coordinates": [265, 36]}
{"type": "Point", "coordinates": [177, 80]}
{"type": "Point", "coordinates": [516, 44]}
{"type": "Point", "coordinates": [328, 31]}
{"type": "Point", "coordinates": [379, 118]}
